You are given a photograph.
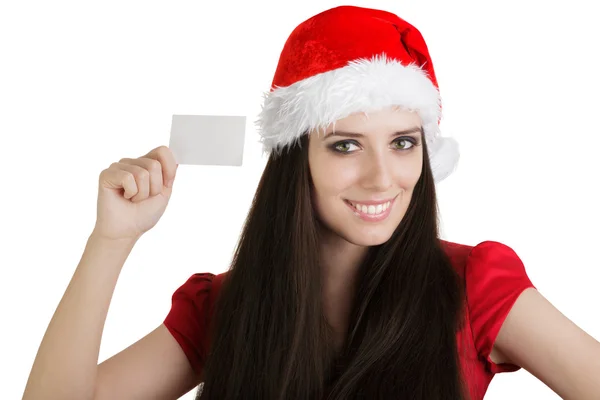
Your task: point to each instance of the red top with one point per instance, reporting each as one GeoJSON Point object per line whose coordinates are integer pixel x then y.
{"type": "Point", "coordinates": [494, 277]}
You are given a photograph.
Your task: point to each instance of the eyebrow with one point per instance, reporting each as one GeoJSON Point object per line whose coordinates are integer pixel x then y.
{"type": "Point", "coordinates": [416, 129]}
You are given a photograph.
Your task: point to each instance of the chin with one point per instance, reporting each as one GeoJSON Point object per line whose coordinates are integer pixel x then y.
{"type": "Point", "coordinates": [373, 237]}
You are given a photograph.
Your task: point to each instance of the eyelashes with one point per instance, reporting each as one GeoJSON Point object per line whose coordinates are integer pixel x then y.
{"type": "Point", "coordinates": [341, 147]}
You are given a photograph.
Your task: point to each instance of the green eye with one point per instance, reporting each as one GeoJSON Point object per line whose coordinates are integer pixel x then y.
{"type": "Point", "coordinates": [403, 140]}
{"type": "Point", "coordinates": [343, 147]}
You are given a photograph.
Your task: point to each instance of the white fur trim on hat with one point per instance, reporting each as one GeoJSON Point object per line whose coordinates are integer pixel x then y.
{"type": "Point", "coordinates": [361, 86]}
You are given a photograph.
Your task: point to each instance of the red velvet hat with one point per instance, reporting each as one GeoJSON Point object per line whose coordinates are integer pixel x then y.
{"type": "Point", "coordinates": [351, 59]}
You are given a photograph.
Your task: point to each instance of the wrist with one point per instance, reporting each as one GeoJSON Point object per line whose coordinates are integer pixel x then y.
{"type": "Point", "coordinates": [98, 239]}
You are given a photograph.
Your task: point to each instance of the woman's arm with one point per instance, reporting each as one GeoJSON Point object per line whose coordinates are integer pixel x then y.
{"type": "Point", "coordinates": [155, 367]}
{"type": "Point", "coordinates": [539, 338]}
{"type": "Point", "coordinates": [66, 365]}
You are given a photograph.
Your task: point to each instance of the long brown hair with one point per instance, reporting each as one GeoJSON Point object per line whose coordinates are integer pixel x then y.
{"type": "Point", "coordinates": [270, 339]}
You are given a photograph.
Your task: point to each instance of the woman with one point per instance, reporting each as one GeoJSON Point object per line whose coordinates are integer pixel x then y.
{"type": "Point", "coordinates": [340, 287]}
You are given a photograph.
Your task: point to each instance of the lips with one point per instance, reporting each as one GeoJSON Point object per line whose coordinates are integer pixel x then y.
{"type": "Point", "coordinates": [370, 208]}
{"type": "Point", "coordinates": [371, 211]}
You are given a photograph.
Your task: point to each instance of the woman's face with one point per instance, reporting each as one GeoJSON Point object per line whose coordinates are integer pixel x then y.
{"type": "Point", "coordinates": [364, 173]}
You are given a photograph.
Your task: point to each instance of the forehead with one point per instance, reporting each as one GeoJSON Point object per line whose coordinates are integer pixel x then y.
{"type": "Point", "coordinates": [383, 121]}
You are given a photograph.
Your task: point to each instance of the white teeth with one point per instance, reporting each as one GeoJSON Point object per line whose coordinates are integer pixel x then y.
{"type": "Point", "coordinates": [372, 209]}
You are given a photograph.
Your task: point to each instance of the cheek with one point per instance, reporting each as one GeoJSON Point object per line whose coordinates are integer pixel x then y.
{"type": "Point", "coordinates": [408, 173]}
{"type": "Point", "coordinates": [406, 170]}
{"type": "Point", "coordinates": [331, 177]}
{"type": "Point", "coordinates": [331, 182]}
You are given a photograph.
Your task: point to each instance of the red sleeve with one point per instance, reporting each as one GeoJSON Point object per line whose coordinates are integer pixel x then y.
{"type": "Point", "coordinates": [495, 277]}
{"type": "Point", "coordinates": [188, 318]}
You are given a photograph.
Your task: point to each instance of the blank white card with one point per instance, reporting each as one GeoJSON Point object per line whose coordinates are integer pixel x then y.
{"type": "Point", "coordinates": [208, 139]}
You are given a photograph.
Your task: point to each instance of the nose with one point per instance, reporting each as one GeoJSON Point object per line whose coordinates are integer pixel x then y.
{"type": "Point", "coordinates": [378, 173]}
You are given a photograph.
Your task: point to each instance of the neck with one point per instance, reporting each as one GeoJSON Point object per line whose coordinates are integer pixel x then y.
{"type": "Point", "coordinates": [340, 261]}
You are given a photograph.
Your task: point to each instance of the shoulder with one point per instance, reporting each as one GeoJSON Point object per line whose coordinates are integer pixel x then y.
{"type": "Point", "coordinates": [492, 273]}
{"type": "Point", "coordinates": [198, 292]}
{"type": "Point", "coordinates": [494, 277]}
{"type": "Point", "coordinates": [484, 257]}
{"type": "Point", "coordinates": [191, 312]}
{"type": "Point", "coordinates": [199, 284]}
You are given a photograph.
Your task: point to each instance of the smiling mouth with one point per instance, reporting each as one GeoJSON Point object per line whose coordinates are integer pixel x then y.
{"type": "Point", "coordinates": [371, 211]}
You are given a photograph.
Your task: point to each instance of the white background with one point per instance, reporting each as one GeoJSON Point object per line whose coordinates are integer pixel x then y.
{"type": "Point", "coordinates": [83, 85]}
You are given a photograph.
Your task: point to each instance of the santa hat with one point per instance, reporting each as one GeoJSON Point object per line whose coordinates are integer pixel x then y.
{"type": "Point", "coordinates": [352, 59]}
